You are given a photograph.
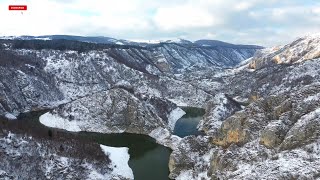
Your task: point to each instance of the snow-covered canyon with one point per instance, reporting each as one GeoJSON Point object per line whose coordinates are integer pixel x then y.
{"type": "Point", "coordinates": [261, 114]}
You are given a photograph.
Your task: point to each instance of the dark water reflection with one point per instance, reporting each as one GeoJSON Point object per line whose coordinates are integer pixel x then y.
{"type": "Point", "coordinates": [148, 160]}
{"type": "Point", "coordinates": [187, 124]}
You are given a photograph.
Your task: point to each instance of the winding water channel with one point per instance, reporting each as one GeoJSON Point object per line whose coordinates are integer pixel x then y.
{"type": "Point", "coordinates": [148, 160]}
{"type": "Point", "coordinates": [187, 124]}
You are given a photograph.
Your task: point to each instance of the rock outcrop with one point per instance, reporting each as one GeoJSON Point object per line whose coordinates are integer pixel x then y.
{"type": "Point", "coordinates": [114, 111]}
{"type": "Point", "coordinates": [302, 49]}
{"type": "Point", "coordinates": [217, 110]}
{"type": "Point", "coordinates": [276, 134]}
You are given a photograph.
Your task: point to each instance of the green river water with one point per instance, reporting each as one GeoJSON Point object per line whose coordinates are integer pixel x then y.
{"type": "Point", "coordinates": [148, 160]}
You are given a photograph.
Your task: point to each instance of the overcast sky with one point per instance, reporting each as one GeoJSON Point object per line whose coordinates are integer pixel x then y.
{"type": "Point", "coordinates": [262, 22]}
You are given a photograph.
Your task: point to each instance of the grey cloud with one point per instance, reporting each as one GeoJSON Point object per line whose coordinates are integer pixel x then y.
{"type": "Point", "coordinates": [256, 25]}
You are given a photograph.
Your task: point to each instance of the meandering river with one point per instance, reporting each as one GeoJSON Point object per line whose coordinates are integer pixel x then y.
{"type": "Point", "coordinates": [148, 160]}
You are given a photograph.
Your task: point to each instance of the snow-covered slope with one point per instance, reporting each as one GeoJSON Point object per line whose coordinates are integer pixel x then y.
{"type": "Point", "coordinates": [302, 49]}
{"type": "Point", "coordinates": [262, 123]}
{"type": "Point", "coordinates": [274, 135]}
{"type": "Point", "coordinates": [43, 75]}
{"type": "Point", "coordinates": [25, 156]}
{"type": "Point", "coordinates": [114, 111]}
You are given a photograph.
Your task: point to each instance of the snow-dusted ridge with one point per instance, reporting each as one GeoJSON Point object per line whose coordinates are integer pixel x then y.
{"type": "Point", "coordinates": [313, 35]}
{"type": "Point", "coordinates": [302, 49]}
{"type": "Point", "coordinates": [138, 42]}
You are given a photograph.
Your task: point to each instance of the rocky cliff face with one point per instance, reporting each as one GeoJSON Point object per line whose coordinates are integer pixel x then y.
{"type": "Point", "coordinates": [261, 124]}
{"type": "Point", "coordinates": [274, 135]}
{"type": "Point", "coordinates": [302, 49]}
{"type": "Point", "coordinates": [24, 84]}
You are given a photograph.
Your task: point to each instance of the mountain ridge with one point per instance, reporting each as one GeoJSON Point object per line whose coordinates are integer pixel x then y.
{"type": "Point", "coordinates": [109, 40]}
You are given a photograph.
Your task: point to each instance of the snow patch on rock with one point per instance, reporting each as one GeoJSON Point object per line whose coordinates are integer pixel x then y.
{"type": "Point", "coordinates": [119, 157]}
{"type": "Point", "coordinates": [51, 120]}
{"type": "Point", "coordinates": [178, 102]}
{"type": "Point", "coordinates": [174, 116]}
{"type": "Point", "coordinates": [165, 138]}
{"type": "Point", "coordinates": [10, 116]}
{"type": "Point", "coordinates": [160, 134]}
